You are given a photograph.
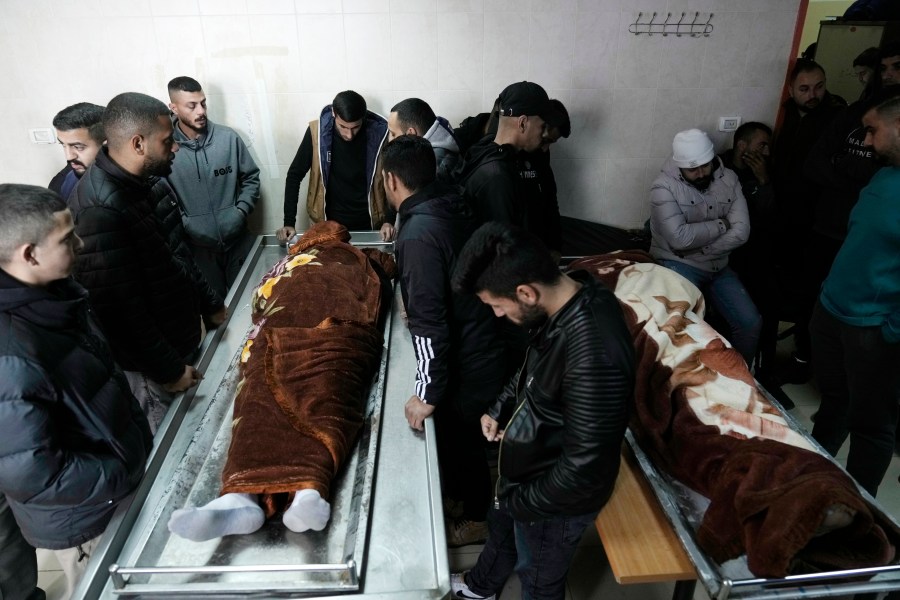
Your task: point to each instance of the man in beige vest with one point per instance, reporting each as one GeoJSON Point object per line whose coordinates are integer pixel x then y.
{"type": "Point", "coordinates": [340, 151]}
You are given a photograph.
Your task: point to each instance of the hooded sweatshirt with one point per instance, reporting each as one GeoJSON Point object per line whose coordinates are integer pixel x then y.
{"type": "Point", "coordinates": [494, 187]}
{"type": "Point", "coordinates": [698, 228]}
{"type": "Point", "coordinates": [446, 150]}
{"type": "Point", "coordinates": [73, 440]}
{"type": "Point", "coordinates": [218, 185]}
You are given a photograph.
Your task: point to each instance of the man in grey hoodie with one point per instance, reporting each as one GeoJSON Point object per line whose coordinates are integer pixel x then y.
{"type": "Point", "coordinates": [414, 116]}
{"type": "Point", "coordinates": [217, 183]}
{"type": "Point", "coordinates": [698, 215]}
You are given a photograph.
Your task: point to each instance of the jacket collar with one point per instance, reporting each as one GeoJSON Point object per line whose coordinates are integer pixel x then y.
{"type": "Point", "coordinates": [55, 306]}
{"type": "Point", "coordinates": [587, 291]}
{"type": "Point", "coordinates": [105, 163]}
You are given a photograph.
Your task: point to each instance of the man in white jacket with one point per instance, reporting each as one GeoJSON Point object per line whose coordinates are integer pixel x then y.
{"type": "Point", "coordinates": [698, 215]}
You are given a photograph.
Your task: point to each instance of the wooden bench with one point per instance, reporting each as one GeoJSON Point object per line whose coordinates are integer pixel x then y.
{"type": "Point", "coordinates": [638, 539]}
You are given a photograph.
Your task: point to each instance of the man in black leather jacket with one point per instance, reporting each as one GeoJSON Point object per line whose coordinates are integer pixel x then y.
{"type": "Point", "coordinates": [560, 421]}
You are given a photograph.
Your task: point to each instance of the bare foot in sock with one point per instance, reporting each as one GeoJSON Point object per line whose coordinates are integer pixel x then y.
{"type": "Point", "coordinates": [837, 516]}
{"type": "Point", "coordinates": [226, 515]}
{"type": "Point", "coordinates": [307, 511]}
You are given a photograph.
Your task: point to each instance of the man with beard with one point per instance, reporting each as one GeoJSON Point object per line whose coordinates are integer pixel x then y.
{"type": "Point", "coordinates": [142, 296]}
{"type": "Point", "coordinates": [341, 152]}
{"type": "Point", "coordinates": [454, 335]}
{"type": "Point", "coordinates": [807, 112]}
{"type": "Point", "coordinates": [414, 116]}
{"type": "Point", "coordinates": [560, 421]}
{"type": "Point", "coordinates": [217, 183]}
{"type": "Point", "coordinates": [80, 133]}
{"type": "Point", "coordinates": [698, 215]}
{"type": "Point", "coordinates": [491, 171]}
{"type": "Point", "coordinates": [855, 327]}
{"type": "Point", "coordinates": [749, 159]}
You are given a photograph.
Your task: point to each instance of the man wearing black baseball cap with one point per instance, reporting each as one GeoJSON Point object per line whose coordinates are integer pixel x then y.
{"type": "Point", "coordinates": [490, 173]}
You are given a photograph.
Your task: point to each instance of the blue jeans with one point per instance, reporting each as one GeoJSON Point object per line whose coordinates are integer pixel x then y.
{"type": "Point", "coordinates": [540, 552]}
{"type": "Point", "coordinates": [726, 295]}
{"type": "Point", "coordinates": [858, 377]}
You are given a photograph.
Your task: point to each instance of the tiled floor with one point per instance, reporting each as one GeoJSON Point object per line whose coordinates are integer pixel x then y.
{"type": "Point", "coordinates": [589, 577]}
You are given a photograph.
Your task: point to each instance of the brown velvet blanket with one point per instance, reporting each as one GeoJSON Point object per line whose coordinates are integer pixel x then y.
{"type": "Point", "coordinates": [306, 367]}
{"type": "Point", "coordinates": [700, 416]}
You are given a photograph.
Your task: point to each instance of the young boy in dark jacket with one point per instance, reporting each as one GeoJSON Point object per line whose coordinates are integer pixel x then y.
{"type": "Point", "coordinates": [73, 440]}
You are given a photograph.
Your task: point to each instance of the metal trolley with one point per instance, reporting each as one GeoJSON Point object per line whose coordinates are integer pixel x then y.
{"type": "Point", "coordinates": [685, 509]}
{"type": "Point", "coordinates": [385, 538]}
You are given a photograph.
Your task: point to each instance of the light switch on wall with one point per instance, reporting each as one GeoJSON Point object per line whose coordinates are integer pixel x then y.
{"type": "Point", "coordinates": [42, 136]}
{"type": "Point", "coordinates": [729, 123]}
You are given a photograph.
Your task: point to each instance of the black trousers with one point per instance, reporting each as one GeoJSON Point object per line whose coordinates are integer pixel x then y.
{"type": "Point", "coordinates": [858, 376]}
{"type": "Point", "coordinates": [18, 561]}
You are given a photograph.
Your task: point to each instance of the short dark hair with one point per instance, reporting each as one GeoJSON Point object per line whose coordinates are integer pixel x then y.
{"type": "Point", "coordinates": [411, 159]}
{"type": "Point", "coordinates": [131, 113]}
{"type": "Point", "coordinates": [349, 106]}
{"type": "Point", "coordinates": [26, 216]}
{"type": "Point", "coordinates": [184, 84]}
{"type": "Point", "coordinates": [415, 112]}
{"type": "Point", "coordinates": [886, 102]}
{"type": "Point", "coordinates": [888, 49]}
{"type": "Point", "coordinates": [745, 132]}
{"type": "Point", "coordinates": [870, 57]}
{"type": "Point", "coordinates": [82, 115]}
{"type": "Point", "coordinates": [499, 257]}
{"type": "Point", "coordinates": [558, 117]}
{"type": "Point", "coordinates": [805, 65]}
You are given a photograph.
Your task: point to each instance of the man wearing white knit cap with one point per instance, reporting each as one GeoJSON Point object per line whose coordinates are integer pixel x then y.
{"type": "Point", "coordinates": [698, 215]}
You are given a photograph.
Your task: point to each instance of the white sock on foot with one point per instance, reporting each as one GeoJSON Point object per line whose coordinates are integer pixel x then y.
{"type": "Point", "coordinates": [307, 511]}
{"type": "Point", "coordinates": [226, 515]}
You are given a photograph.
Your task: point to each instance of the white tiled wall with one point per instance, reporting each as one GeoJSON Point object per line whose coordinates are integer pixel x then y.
{"type": "Point", "coordinates": [268, 66]}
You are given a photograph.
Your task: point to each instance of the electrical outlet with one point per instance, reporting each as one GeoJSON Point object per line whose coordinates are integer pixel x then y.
{"type": "Point", "coordinates": [729, 123]}
{"type": "Point", "coordinates": [42, 136]}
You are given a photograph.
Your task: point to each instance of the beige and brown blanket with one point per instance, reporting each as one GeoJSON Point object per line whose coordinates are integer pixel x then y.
{"type": "Point", "coordinates": [700, 416]}
{"type": "Point", "coordinates": [307, 366]}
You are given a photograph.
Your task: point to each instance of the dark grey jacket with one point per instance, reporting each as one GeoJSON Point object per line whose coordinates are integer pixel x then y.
{"type": "Point", "coordinates": [73, 440]}
{"type": "Point", "coordinates": [218, 184]}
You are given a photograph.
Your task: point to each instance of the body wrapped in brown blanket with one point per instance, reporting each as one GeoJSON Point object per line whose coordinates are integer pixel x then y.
{"type": "Point", "coordinates": [306, 369]}
{"type": "Point", "coordinates": [699, 415]}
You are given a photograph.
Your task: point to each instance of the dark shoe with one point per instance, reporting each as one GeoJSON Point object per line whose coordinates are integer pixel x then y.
{"type": "Point", "coordinates": [463, 532]}
{"type": "Point", "coordinates": [452, 508]}
{"type": "Point", "coordinates": [773, 387]}
{"type": "Point", "coordinates": [797, 371]}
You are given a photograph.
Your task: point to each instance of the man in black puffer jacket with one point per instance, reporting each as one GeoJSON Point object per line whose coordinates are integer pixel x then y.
{"type": "Point", "coordinates": [143, 298]}
{"type": "Point", "coordinates": [458, 352]}
{"type": "Point", "coordinates": [73, 440]}
{"type": "Point", "coordinates": [561, 420]}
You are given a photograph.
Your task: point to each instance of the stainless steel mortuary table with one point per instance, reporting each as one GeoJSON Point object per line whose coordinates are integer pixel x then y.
{"type": "Point", "coordinates": [385, 538]}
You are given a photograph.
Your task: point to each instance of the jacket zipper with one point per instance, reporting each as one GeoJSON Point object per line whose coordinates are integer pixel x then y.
{"type": "Point", "coordinates": [500, 449]}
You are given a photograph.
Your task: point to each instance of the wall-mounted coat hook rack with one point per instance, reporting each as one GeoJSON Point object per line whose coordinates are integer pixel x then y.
{"type": "Point", "coordinates": [696, 28]}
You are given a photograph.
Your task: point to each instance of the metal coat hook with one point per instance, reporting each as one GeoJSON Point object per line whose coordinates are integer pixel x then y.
{"type": "Point", "coordinates": [695, 28]}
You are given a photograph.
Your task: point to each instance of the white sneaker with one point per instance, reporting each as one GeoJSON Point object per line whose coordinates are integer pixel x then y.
{"type": "Point", "coordinates": [461, 591]}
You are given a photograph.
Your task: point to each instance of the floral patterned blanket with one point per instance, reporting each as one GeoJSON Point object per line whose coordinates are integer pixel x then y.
{"type": "Point", "coordinates": [700, 416]}
{"type": "Point", "coordinates": [307, 366]}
